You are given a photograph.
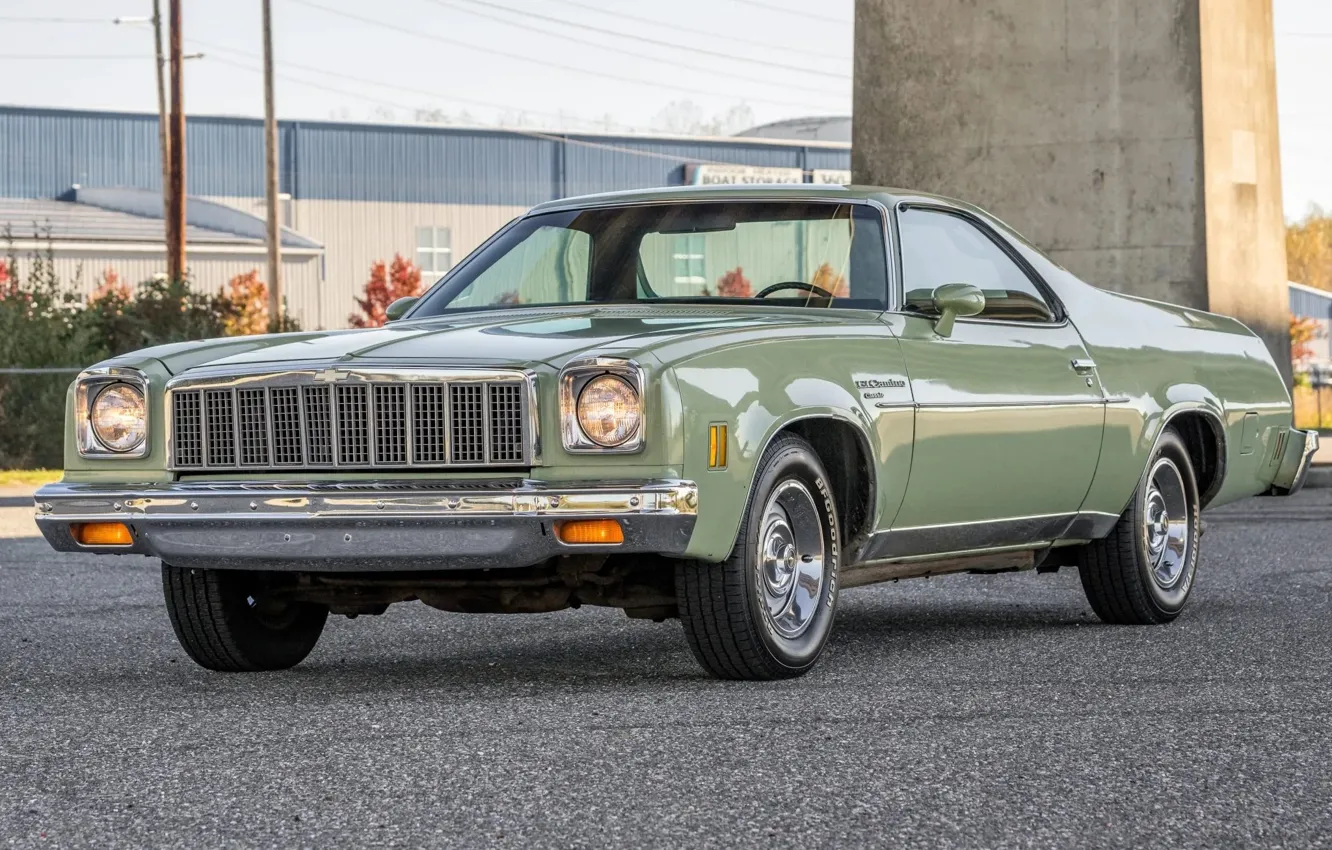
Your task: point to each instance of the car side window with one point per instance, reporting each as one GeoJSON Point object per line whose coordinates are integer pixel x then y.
{"type": "Point", "coordinates": [939, 248]}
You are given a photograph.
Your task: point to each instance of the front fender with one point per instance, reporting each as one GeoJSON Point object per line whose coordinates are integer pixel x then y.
{"type": "Point", "coordinates": [758, 402]}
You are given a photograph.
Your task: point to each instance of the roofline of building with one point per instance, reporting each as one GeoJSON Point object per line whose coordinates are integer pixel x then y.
{"type": "Point", "coordinates": [119, 246]}
{"type": "Point", "coordinates": [1312, 290]}
{"type": "Point", "coordinates": [606, 136]}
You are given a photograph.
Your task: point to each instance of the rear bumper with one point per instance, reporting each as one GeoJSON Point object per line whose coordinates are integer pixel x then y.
{"type": "Point", "coordinates": [1293, 465]}
{"type": "Point", "coordinates": [353, 527]}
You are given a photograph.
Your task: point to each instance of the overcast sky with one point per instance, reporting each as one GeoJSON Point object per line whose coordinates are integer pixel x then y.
{"type": "Point", "coordinates": [386, 59]}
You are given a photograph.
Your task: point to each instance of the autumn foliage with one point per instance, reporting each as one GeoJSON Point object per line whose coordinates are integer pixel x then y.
{"type": "Point", "coordinates": [827, 278]}
{"type": "Point", "coordinates": [247, 296]}
{"type": "Point", "coordinates": [399, 279]}
{"type": "Point", "coordinates": [1302, 332]}
{"type": "Point", "coordinates": [732, 284]}
{"type": "Point", "coordinates": [112, 294]}
{"type": "Point", "coordinates": [8, 281]}
{"type": "Point", "coordinates": [1309, 250]}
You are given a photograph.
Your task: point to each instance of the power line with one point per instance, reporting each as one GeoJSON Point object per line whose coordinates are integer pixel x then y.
{"type": "Point", "coordinates": [19, 19]}
{"type": "Point", "coordinates": [673, 45]}
{"type": "Point", "coordinates": [619, 13]}
{"type": "Point", "coordinates": [763, 81]}
{"type": "Point", "coordinates": [796, 12]}
{"type": "Point", "coordinates": [465, 45]}
{"type": "Point", "coordinates": [536, 134]}
{"type": "Point", "coordinates": [73, 56]}
{"type": "Point", "coordinates": [395, 87]}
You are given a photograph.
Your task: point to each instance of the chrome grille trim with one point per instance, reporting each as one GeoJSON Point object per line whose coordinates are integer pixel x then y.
{"type": "Point", "coordinates": [352, 419]}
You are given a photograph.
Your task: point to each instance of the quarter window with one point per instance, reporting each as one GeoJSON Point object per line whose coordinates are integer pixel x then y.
{"type": "Point", "coordinates": [434, 250]}
{"type": "Point", "coordinates": [939, 248]}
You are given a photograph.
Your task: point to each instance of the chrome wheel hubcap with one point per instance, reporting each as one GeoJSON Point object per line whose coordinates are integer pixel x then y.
{"type": "Point", "coordinates": [791, 559]}
{"type": "Point", "coordinates": [1166, 520]}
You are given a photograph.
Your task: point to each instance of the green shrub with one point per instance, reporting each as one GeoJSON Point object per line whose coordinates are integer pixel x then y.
{"type": "Point", "coordinates": [46, 323]}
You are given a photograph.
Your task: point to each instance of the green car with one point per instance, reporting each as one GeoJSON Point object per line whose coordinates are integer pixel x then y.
{"type": "Point", "coordinates": [725, 405]}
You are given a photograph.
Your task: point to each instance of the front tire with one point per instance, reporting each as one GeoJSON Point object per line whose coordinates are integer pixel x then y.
{"type": "Point", "coordinates": [767, 611]}
{"type": "Point", "coordinates": [1142, 573]}
{"type": "Point", "coordinates": [233, 621]}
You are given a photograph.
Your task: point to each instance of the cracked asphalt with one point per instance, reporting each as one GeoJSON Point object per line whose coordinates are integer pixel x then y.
{"type": "Point", "coordinates": [961, 712]}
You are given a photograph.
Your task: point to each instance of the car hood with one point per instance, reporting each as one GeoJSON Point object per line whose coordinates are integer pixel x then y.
{"type": "Point", "coordinates": [492, 338]}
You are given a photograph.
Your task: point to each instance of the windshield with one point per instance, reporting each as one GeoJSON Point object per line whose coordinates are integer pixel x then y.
{"type": "Point", "coordinates": [794, 254]}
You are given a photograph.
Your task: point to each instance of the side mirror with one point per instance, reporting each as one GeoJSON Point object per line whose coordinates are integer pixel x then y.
{"type": "Point", "coordinates": [398, 308]}
{"type": "Point", "coordinates": [947, 302]}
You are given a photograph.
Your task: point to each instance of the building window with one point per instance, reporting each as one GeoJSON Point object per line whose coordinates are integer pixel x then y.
{"type": "Point", "coordinates": [689, 259]}
{"type": "Point", "coordinates": [434, 250]}
{"type": "Point", "coordinates": [286, 210]}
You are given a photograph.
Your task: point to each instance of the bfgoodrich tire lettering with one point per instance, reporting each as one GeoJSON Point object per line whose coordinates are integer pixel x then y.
{"type": "Point", "coordinates": [1143, 572]}
{"type": "Point", "coordinates": [767, 611]}
{"type": "Point", "coordinates": [231, 621]}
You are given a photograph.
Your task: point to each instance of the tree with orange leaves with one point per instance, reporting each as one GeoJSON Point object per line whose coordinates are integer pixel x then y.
{"type": "Point", "coordinates": [826, 277]}
{"type": "Point", "coordinates": [400, 279]}
{"type": "Point", "coordinates": [1303, 331]}
{"type": "Point", "coordinates": [247, 297]}
{"type": "Point", "coordinates": [111, 291]}
{"type": "Point", "coordinates": [732, 284]}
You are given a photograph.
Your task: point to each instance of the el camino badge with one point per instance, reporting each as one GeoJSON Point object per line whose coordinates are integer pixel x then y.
{"type": "Point", "coordinates": [891, 383]}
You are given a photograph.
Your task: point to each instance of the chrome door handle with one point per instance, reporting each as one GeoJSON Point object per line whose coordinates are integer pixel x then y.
{"type": "Point", "coordinates": [1083, 367]}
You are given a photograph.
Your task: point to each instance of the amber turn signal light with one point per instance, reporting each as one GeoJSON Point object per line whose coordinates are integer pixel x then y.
{"type": "Point", "coordinates": [102, 533]}
{"type": "Point", "coordinates": [581, 532]}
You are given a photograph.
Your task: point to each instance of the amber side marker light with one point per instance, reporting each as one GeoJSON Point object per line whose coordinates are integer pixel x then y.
{"type": "Point", "coordinates": [581, 532]}
{"type": "Point", "coordinates": [717, 446]}
{"type": "Point", "coordinates": [102, 533]}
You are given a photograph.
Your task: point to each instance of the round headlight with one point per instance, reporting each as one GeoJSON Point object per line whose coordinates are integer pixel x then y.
{"type": "Point", "coordinates": [119, 418]}
{"type": "Point", "coordinates": [609, 411]}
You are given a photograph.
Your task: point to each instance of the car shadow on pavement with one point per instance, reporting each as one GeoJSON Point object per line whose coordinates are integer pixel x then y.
{"type": "Point", "coordinates": [589, 656]}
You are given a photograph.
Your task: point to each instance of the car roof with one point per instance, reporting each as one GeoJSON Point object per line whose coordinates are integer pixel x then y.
{"type": "Point", "coordinates": [747, 192]}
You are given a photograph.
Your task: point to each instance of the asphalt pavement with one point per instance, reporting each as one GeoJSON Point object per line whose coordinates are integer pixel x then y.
{"type": "Point", "coordinates": [959, 712]}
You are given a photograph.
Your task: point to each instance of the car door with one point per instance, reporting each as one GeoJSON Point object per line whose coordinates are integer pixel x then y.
{"type": "Point", "coordinates": [1009, 409]}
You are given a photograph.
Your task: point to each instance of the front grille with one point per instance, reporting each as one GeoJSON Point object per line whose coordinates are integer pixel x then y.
{"type": "Point", "coordinates": [357, 423]}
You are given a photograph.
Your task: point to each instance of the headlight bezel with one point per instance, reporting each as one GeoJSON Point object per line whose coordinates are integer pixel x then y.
{"type": "Point", "coordinates": [574, 378]}
{"type": "Point", "coordinates": [89, 387]}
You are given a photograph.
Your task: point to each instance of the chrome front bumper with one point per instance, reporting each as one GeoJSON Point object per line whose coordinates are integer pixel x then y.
{"type": "Point", "coordinates": [1294, 462]}
{"type": "Point", "coordinates": [354, 527]}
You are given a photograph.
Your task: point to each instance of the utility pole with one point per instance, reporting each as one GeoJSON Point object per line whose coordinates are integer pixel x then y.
{"type": "Point", "coordinates": [163, 136]}
{"type": "Point", "coordinates": [275, 301]}
{"type": "Point", "coordinates": [176, 211]}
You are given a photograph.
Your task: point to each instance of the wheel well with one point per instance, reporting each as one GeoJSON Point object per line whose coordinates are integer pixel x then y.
{"type": "Point", "coordinates": [845, 455]}
{"type": "Point", "coordinates": [1206, 442]}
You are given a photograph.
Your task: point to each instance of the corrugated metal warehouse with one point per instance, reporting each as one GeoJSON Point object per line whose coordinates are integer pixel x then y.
{"type": "Point", "coordinates": [352, 193]}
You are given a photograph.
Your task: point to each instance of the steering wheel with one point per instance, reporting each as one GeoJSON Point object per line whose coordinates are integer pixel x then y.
{"type": "Point", "coordinates": [794, 284]}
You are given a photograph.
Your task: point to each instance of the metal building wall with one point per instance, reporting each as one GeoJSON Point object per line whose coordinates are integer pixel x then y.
{"type": "Point", "coordinates": [1310, 303]}
{"type": "Point", "coordinates": [358, 233]}
{"type": "Point", "coordinates": [598, 164]}
{"type": "Point", "coordinates": [45, 151]}
{"type": "Point", "coordinates": [361, 189]}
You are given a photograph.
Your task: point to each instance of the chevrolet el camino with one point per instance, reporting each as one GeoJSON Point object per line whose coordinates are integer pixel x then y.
{"type": "Point", "coordinates": [721, 405]}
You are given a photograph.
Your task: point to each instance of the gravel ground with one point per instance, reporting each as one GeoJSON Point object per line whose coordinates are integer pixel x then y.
{"type": "Point", "coordinates": [962, 712]}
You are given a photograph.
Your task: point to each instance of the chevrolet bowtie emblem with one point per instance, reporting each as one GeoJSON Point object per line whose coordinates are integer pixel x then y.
{"type": "Point", "coordinates": [330, 376]}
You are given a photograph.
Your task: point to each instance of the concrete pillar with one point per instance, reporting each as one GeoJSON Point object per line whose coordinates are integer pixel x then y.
{"type": "Point", "coordinates": [1134, 140]}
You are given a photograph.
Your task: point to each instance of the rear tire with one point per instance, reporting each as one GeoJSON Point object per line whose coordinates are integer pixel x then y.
{"type": "Point", "coordinates": [767, 611]}
{"type": "Point", "coordinates": [233, 622]}
{"type": "Point", "coordinates": [1142, 573]}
